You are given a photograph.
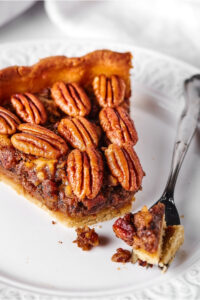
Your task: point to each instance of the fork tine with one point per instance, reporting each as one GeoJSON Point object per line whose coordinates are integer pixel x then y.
{"type": "Point", "coordinates": [171, 212]}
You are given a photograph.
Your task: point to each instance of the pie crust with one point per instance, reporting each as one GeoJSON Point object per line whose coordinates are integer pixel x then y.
{"type": "Point", "coordinates": [47, 71]}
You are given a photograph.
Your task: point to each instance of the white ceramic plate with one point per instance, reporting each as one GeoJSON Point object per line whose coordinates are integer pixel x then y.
{"type": "Point", "coordinates": [34, 265]}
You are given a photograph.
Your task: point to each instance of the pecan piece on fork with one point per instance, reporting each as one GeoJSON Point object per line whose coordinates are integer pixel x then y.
{"type": "Point", "coordinates": [29, 108]}
{"type": "Point", "coordinates": [85, 172]}
{"type": "Point", "coordinates": [39, 141]}
{"type": "Point", "coordinates": [8, 122]}
{"type": "Point", "coordinates": [71, 99]}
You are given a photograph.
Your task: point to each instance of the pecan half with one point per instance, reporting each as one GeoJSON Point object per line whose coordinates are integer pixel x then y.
{"type": "Point", "coordinates": [118, 126]}
{"type": "Point", "coordinates": [110, 92]}
{"type": "Point", "coordinates": [71, 99]}
{"type": "Point", "coordinates": [85, 172]}
{"type": "Point", "coordinates": [8, 121]}
{"type": "Point", "coordinates": [79, 132]}
{"type": "Point", "coordinates": [124, 164]}
{"type": "Point", "coordinates": [29, 108]}
{"type": "Point", "coordinates": [39, 141]}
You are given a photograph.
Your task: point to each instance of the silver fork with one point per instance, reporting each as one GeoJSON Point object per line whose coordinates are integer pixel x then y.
{"type": "Point", "coordinates": [186, 129]}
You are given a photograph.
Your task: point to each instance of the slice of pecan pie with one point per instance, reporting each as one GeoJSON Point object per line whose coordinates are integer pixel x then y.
{"type": "Point", "coordinates": [66, 137]}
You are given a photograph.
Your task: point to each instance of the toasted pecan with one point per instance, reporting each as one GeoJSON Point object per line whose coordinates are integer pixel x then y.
{"type": "Point", "coordinates": [85, 172]}
{"type": "Point", "coordinates": [8, 121]}
{"type": "Point", "coordinates": [79, 132]}
{"type": "Point", "coordinates": [71, 99]}
{"type": "Point", "coordinates": [118, 126]}
{"type": "Point", "coordinates": [39, 141]}
{"type": "Point", "coordinates": [124, 164]}
{"type": "Point", "coordinates": [29, 108]}
{"type": "Point", "coordinates": [109, 92]}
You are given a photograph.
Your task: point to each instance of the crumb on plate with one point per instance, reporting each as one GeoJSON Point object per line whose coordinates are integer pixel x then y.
{"type": "Point", "coordinates": [87, 238]}
{"type": "Point", "coordinates": [122, 256]}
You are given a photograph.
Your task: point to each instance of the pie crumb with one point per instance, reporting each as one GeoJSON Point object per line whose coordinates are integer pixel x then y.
{"type": "Point", "coordinates": [122, 256]}
{"type": "Point", "coordinates": [87, 238]}
{"type": "Point", "coordinates": [60, 242]}
{"type": "Point", "coordinates": [144, 264]}
{"type": "Point", "coordinates": [53, 222]}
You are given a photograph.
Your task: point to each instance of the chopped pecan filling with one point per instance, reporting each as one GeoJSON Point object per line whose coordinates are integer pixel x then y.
{"type": "Point", "coordinates": [87, 238]}
{"type": "Point", "coordinates": [124, 228]}
{"type": "Point", "coordinates": [141, 230]}
{"type": "Point", "coordinates": [121, 256]}
{"type": "Point", "coordinates": [9, 157]}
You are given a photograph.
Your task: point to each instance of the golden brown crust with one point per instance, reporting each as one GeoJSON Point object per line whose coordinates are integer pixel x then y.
{"type": "Point", "coordinates": [173, 239]}
{"type": "Point", "coordinates": [20, 79]}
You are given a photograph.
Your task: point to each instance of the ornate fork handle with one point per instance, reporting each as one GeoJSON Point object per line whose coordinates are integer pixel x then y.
{"type": "Point", "coordinates": [186, 129]}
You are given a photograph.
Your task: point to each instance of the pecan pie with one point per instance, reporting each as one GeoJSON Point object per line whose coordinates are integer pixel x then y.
{"type": "Point", "coordinates": [66, 136]}
{"type": "Point", "coordinates": [152, 241]}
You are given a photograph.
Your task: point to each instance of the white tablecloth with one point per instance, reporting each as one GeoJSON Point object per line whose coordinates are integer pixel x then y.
{"type": "Point", "coordinates": [168, 26]}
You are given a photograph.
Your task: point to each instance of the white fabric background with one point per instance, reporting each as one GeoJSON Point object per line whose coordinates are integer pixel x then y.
{"type": "Point", "coordinates": [168, 26]}
{"type": "Point", "coordinates": [10, 9]}
{"type": "Point", "coordinates": [159, 24]}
